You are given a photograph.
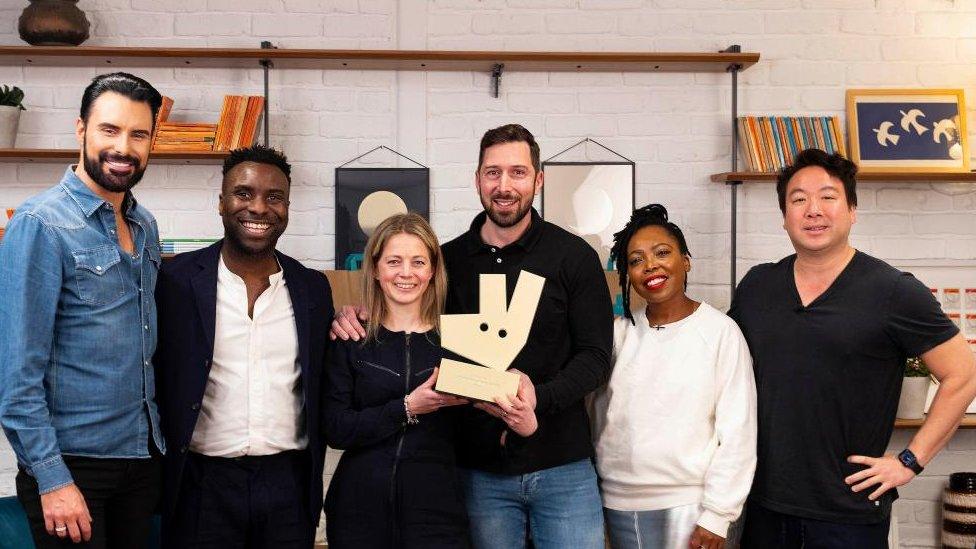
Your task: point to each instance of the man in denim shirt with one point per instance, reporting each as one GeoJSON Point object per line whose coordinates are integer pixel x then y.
{"type": "Point", "coordinates": [78, 267]}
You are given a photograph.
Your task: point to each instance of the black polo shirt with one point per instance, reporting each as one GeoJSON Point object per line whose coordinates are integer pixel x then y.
{"type": "Point", "coordinates": [828, 378]}
{"type": "Point", "coordinates": [568, 351]}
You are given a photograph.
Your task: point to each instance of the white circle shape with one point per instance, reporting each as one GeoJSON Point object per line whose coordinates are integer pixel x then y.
{"type": "Point", "coordinates": [593, 211]}
{"type": "Point", "coordinates": [378, 206]}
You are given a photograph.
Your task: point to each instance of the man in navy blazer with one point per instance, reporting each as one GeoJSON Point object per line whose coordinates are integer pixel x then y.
{"type": "Point", "coordinates": [243, 339]}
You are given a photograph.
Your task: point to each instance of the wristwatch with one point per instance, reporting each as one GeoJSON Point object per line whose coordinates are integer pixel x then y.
{"type": "Point", "coordinates": [908, 459]}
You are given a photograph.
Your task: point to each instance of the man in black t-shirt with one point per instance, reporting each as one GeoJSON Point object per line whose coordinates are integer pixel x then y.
{"type": "Point", "coordinates": [829, 329]}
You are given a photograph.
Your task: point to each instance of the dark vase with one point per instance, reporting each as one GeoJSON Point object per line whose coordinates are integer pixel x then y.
{"type": "Point", "coordinates": [53, 23]}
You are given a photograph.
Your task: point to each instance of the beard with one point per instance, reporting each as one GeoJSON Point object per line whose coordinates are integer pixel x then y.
{"type": "Point", "coordinates": [95, 168]}
{"type": "Point", "coordinates": [509, 219]}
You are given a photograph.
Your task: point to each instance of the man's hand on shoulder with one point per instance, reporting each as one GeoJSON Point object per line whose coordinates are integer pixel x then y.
{"type": "Point", "coordinates": [66, 514]}
{"type": "Point", "coordinates": [348, 323]}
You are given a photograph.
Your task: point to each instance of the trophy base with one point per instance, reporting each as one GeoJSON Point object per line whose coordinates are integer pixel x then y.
{"type": "Point", "coordinates": [475, 382]}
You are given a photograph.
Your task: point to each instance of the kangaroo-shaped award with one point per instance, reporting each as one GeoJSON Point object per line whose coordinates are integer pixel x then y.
{"type": "Point", "coordinates": [493, 338]}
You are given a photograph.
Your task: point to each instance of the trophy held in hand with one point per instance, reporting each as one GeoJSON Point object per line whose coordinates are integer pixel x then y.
{"type": "Point", "coordinates": [492, 338]}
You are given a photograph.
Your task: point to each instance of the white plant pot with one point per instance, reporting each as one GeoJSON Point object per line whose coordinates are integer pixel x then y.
{"type": "Point", "coordinates": [9, 118]}
{"type": "Point", "coordinates": [911, 405]}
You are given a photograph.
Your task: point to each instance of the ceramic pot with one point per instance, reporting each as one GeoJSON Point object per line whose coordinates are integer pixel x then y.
{"type": "Point", "coordinates": [53, 23]}
{"type": "Point", "coordinates": [914, 390]}
{"type": "Point", "coordinates": [959, 512]}
{"type": "Point", "coordinates": [9, 118]}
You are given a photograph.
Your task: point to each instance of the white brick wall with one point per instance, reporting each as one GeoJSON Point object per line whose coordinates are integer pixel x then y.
{"type": "Point", "coordinates": [673, 125]}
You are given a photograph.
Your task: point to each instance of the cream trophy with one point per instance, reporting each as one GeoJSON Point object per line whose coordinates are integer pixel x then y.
{"type": "Point", "coordinates": [493, 338]}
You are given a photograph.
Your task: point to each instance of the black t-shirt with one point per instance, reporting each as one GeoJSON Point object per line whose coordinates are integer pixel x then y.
{"type": "Point", "coordinates": [828, 378]}
{"type": "Point", "coordinates": [568, 351]}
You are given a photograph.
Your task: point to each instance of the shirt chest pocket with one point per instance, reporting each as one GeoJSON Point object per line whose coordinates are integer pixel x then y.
{"type": "Point", "coordinates": [98, 275]}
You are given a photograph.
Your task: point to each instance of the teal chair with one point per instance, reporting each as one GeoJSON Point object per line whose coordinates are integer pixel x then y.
{"type": "Point", "coordinates": [14, 530]}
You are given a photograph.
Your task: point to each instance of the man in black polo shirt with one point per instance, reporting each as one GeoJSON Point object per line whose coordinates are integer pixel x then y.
{"type": "Point", "coordinates": [544, 482]}
{"type": "Point", "coordinates": [829, 329]}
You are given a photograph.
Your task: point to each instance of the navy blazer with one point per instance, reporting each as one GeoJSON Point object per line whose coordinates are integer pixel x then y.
{"type": "Point", "coordinates": [186, 299]}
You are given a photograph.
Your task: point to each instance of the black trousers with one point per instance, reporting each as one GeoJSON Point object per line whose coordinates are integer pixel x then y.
{"type": "Point", "coordinates": [249, 502]}
{"type": "Point", "coordinates": [766, 529]}
{"type": "Point", "coordinates": [121, 495]}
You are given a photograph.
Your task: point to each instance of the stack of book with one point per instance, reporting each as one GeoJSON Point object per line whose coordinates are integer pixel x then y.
{"type": "Point", "coordinates": [184, 136]}
{"type": "Point", "coordinates": [239, 121]}
{"type": "Point", "coordinates": [769, 143]}
{"type": "Point", "coordinates": [180, 245]}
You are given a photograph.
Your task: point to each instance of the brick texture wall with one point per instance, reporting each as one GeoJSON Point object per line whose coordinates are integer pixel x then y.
{"type": "Point", "coordinates": [675, 126]}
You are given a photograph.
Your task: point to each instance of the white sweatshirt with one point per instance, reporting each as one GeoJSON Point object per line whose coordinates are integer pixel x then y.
{"type": "Point", "coordinates": [676, 424]}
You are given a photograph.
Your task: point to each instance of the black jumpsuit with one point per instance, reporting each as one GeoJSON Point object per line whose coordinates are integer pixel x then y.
{"type": "Point", "coordinates": [396, 484]}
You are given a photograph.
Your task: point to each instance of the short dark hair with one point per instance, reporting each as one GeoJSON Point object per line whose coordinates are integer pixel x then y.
{"type": "Point", "coordinates": [510, 133]}
{"type": "Point", "coordinates": [652, 215]}
{"type": "Point", "coordinates": [124, 84]}
{"type": "Point", "coordinates": [834, 164]}
{"type": "Point", "coordinates": [259, 154]}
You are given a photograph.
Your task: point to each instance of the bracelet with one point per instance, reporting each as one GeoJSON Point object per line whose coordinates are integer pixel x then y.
{"type": "Point", "coordinates": [411, 417]}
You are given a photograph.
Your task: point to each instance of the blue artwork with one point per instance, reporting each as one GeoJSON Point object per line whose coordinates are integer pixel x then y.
{"type": "Point", "coordinates": [916, 130]}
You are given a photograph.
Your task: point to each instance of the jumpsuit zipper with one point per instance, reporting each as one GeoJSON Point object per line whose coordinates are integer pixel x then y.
{"type": "Point", "coordinates": [403, 435]}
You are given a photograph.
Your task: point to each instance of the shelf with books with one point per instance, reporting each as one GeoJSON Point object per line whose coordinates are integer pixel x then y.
{"type": "Point", "coordinates": [435, 60]}
{"type": "Point", "coordinates": [157, 157]}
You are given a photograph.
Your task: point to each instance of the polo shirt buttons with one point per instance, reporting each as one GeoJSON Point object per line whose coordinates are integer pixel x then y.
{"type": "Point", "coordinates": [196, 406]}
{"type": "Point", "coordinates": [493, 250]}
{"type": "Point", "coordinates": [498, 260]}
{"type": "Point", "coordinates": [98, 268]}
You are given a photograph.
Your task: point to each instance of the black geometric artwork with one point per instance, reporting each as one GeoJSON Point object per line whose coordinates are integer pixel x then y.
{"type": "Point", "coordinates": [367, 196]}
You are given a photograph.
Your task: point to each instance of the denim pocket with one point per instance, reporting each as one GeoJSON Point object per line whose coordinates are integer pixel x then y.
{"type": "Point", "coordinates": [98, 275]}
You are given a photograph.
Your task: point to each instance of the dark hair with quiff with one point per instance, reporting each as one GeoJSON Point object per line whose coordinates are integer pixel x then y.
{"type": "Point", "coordinates": [124, 84]}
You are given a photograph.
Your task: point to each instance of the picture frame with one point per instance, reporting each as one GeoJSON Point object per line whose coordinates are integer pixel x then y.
{"type": "Point", "coordinates": [914, 130]}
{"type": "Point", "coordinates": [592, 200]}
{"type": "Point", "coordinates": [366, 196]}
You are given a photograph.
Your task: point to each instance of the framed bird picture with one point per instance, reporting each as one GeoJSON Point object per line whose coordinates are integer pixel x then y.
{"type": "Point", "coordinates": [898, 130]}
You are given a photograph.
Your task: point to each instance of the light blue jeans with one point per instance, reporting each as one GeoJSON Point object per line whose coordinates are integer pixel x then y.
{"type": "Point", "coordinates": [561, 507]}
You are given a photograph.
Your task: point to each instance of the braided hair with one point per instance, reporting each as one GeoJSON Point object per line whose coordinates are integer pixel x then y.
{"type": "Point", "coordinates": [652, 215]}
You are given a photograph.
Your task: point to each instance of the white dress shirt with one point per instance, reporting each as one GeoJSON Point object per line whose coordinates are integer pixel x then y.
{"type": "Point", "coordinates": [253, 404]}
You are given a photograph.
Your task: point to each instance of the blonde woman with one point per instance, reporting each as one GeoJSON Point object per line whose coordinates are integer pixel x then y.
{"type": "Point", "coordinates": [395, 485]}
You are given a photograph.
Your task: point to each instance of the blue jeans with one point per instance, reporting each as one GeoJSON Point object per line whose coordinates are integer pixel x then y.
{"type": "Point", "coordinates": [561, 507]}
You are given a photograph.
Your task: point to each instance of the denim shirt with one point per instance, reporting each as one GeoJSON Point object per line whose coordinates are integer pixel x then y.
{"type": "Point", "coordinates": [77, 332]}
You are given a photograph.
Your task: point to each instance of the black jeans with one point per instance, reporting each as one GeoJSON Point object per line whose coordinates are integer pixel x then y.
{"type": "Point", "coordinates": [248, 502]}
{"type": "Point", "coordinates": [767, 529]}
{"type": "Point", "coordinates": [121, 495]}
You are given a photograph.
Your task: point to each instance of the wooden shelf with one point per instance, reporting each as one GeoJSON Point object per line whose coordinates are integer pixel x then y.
{"type": "Point", "coordinates": [60, 155]}
{"type": "Point", "coordinates": [375, 59]}
{"type": "Point", "coordinates": [968, 422]}
{"type": "Point", "coordinates": [743, 177]}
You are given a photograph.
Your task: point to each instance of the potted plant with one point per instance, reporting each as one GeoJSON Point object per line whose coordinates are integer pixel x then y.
{"type": "Point", "coordinates": [11, 103]}
{"type": "Point", "coordinates": [914, 390]}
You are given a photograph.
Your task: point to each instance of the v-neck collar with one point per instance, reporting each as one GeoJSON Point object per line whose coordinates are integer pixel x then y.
{"type": "Point", "coordinates": [791, 274]}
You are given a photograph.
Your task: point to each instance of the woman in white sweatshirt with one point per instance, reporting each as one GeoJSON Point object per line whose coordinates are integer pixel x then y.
{"type": "Point", "coordinates": [675, 427]}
